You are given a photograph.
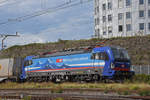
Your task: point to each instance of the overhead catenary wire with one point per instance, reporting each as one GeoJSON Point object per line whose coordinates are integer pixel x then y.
{"type": "Point", "coordinates": [38, 13]}
{"type": "Point", "coordinates": [65, 5]}
{"type": "Point", "coordinates": [48, 10]}
{"type": "Point", "coordinates": [3, 1]}
{"type": "Point", "coordinates": [11, 2]}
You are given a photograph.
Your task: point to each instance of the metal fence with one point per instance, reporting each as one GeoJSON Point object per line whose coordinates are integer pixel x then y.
{"type": "Point", "coordinates": [141, 69]}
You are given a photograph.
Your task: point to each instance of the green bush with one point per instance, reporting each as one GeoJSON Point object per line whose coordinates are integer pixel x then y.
{"type": "Point", "coordinates": [145, 93]}
{"type": "Point", "coordinates": [123, 93]}
{"type": "Point", "coordinates": [135, 88]}
{"type": "Point", "coordinates": [57, 91]}
{"type": "Point", "coordinates": [27, 98]}
{"type": "Point", "coordinates": [59, 98]}
{"type": "Point", "coordinates": [106, 91]}
{"type": "Point", "coordinates": [126, 93]}
{"type": "Point", "coordinates": [141, 78]}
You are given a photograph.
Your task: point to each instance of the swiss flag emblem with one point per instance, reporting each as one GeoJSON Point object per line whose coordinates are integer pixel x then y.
{"type": "Point", "coordinates": [59, 60]}
{"type": "Point", "coordinates": [122, 65]}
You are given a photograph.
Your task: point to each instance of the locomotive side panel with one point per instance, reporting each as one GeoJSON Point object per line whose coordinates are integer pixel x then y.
{"type": "Point", "coordinates": [77, 64]}
{"type": "Point", "coordinates": [68, 62]}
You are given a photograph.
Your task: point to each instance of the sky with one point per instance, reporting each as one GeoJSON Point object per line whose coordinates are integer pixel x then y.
{"type": "Point", "coordinates": [71, 23]}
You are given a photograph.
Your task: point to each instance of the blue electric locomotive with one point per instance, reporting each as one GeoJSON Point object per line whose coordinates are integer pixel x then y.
{"type": "Point", "coordinates": [107, 62]}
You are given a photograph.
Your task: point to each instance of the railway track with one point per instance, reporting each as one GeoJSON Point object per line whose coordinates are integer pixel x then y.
{"type": "Point", "coordinates": [63, 94]}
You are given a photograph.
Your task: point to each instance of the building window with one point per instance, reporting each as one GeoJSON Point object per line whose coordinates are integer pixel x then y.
{"type": "Point", "coordinates": [104, 19]}
{"type": "Point", "coordinates": [95, 22]}
{"type": "Point", "coordinates": [109, 5]}
{"type": "Point", "coordinates": [120, 28]}
{"type": "Point", "coordinates": [104, 6]}
{"type": "Point", "coordinates": [141, 13]}
{"type": "Point", "coordinates": [120, 16]}
{"type": "Point", "coordinates": [104, 32]}
{"type": "Point", "coordinates": [120, 3]}
{"type": "Point", "coordinates": [109, 17]}
{"type": "Point", "coordinates": [148, 2]}
{"type": "Point", "coordinates": [97, 9]}
{"type": "Point", "coordinates": [128, 3]}
{"type": "Point", "coordinates": [98, 31]}
{"type": "Point", "coordinates": [128, 15]}
{"type": "Point", "coordinates": [95, 32]}
{"type": "Point", "coordinates": [95, 1]}
{"type": "Point", "coordinates": [128, 27]}
{"type": "Point", "coordinates": [141, 26]}
{"type": "Point", "coordinates": [149, 26]}
{"type": "Point", "coordinates": [109, 29]}
{"type": "Point", "coordinates": [149, 13]}
{"type": "Point", "coordinates": [141, 2]}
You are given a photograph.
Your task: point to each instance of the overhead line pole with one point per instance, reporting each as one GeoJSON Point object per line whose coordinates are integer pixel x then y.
{"type": "Point", "coordinates": [5, 36]}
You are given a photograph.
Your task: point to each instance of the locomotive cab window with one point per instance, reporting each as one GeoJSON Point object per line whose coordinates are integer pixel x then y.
{"type": "Point", "coordinates": [28, 62]}
{"type": "Point", "coordinates": [100, 56]}
{"type": "Point", "coordinates": [93, 56]}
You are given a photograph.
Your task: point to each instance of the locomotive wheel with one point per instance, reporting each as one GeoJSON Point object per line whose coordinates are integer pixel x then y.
{"type": "Point", "coordinates": [7, 80]}
{"type": "Point", "coordinates": [96, 77]}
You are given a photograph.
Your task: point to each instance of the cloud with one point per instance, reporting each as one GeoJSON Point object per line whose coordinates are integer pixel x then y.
{"type": "Point", "coordinates": [77, 27]}
{"type": "Point", "coordinates": [23, 39]}
{"type": "Point", "coordinates": [71, 23]}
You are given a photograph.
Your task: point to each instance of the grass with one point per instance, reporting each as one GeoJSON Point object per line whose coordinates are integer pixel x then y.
{"type": "Point", "coordinates": [140, 84]}
{"type": "Point", "coordinates": [142, 89]}
{"type": "Point", "coordinates": [58, 88]}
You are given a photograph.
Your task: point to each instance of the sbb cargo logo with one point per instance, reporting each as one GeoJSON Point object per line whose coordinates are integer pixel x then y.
{"type": "Point", "coordinates": [59, 60]}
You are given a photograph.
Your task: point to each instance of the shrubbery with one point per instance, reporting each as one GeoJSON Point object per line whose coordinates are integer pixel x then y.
{"type": "Point", "coordinates": [138, 47]}
{"type": "Point", "coordinates": [144, 93]}
{"type": "Point", "coordinates": [141, 78]}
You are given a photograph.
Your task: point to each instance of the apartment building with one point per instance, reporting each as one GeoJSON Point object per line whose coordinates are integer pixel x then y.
{"type": "Point", "coordinates": [115, 18]}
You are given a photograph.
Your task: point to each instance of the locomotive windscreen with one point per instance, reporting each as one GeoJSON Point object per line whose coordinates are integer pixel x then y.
{"type": "Point", "coordinates": [120, 54]}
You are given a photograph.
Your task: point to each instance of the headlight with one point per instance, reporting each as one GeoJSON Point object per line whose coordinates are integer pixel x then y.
{"type": "Point", "coordinates": [112, 66]}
